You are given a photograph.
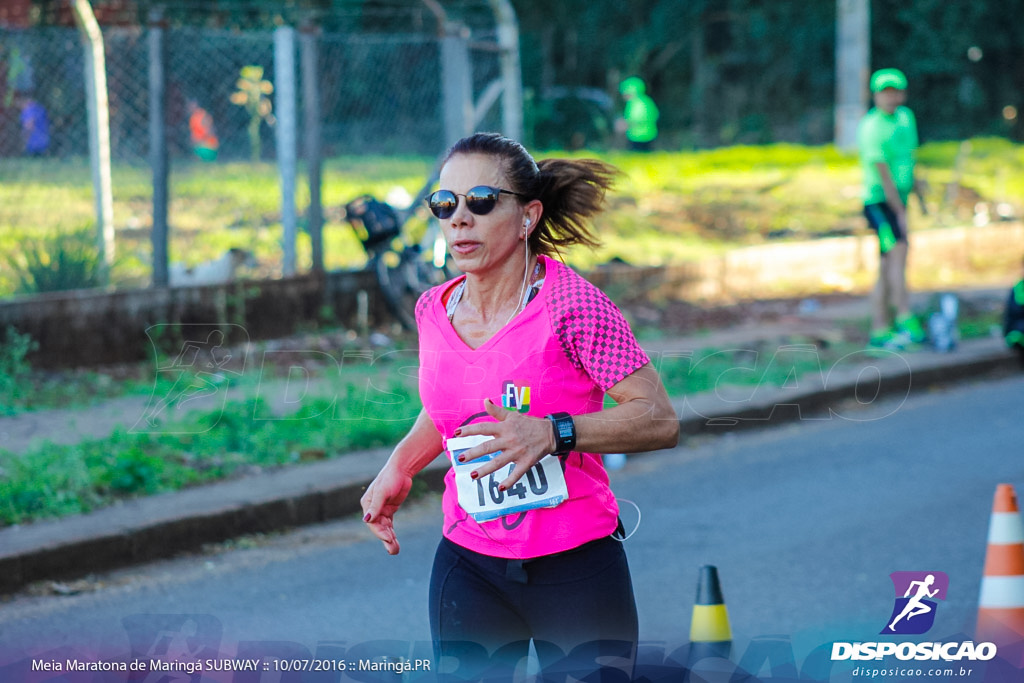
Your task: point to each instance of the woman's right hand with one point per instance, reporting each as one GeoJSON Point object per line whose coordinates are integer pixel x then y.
{"type": "Point", "coordinates": [383, 497]}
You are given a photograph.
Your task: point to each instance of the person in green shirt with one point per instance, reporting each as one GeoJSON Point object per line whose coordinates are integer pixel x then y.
{"type": "Point", "coordinates": [887, 142]}
{"type": "Point", "coordinates": [640, 117]}
{"type": "Point", "coordinates": [1013, 320]}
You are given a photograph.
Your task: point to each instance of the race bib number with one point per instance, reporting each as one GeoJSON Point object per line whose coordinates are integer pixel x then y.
{"type": "Point", "coordinates": [543, 485]}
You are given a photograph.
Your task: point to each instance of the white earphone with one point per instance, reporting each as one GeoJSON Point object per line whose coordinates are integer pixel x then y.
{"type": "Point", "coordinates": [526, 271]}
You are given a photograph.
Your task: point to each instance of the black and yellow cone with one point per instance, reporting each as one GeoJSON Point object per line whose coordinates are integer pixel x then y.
{"type": "Point", "coordinates": [710, 622]}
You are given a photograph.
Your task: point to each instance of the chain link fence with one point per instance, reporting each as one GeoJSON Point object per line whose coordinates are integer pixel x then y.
{"type": "Point", "coordinates": [395, 112]}
{"type": "Point", "coordinates": [42, 68]}
{"type": "Point", "coordinates": [379, 94]}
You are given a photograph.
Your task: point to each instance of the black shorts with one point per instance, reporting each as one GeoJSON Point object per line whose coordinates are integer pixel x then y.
{"type": "Point", "coordinates": [882, 220]}
{"type": "Point", "coordinates": [577, 606]}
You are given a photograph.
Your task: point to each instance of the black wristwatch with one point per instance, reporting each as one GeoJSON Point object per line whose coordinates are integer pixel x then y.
{"type": "Point", "coordinates": [565, 432]}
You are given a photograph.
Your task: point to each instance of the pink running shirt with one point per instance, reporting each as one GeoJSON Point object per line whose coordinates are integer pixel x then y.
{"type": "Point", "coordinates": [560, 354]}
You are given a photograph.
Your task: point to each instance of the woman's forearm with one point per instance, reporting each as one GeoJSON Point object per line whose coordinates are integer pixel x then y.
{"type": "Point", "coordinates": [643, 419]}
{"type": "Point", "coordinates": [418, 448]}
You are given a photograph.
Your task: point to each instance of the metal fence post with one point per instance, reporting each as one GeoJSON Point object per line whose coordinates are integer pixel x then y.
{"type": "Point", "coordinates": [311, 116]}
{"type": "Point", "coordinates": [99, 126]}
{"type": "Point", "coordinates": [284, 94]}
{"type": "Point", "coordinates": [853, 55]}
{"type": "Point", "coordinates": [458, 88]}
{"type": "Point", "coordinates": [158, 156]}
{"type": "Point", "coordinates": [511, 70]}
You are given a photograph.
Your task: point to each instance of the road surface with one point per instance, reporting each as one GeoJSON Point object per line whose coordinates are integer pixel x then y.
{"type": "Point", "coordinates": [805, 522]}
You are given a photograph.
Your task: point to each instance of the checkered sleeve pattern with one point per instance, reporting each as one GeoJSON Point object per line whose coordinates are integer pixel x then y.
{"type": "Point", "coordinates": [424, 303]}
{"type": "Point", "coordinates": [592, 331]}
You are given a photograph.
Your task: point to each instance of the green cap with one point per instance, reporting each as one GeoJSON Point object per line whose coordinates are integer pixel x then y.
{"type": "Point", "coordinates": [888, 78]}
{"type": "Point", "coordinates": [633, 85]}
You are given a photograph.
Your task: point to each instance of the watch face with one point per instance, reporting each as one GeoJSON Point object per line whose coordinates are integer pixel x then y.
{"type": "Point", "coordinates": [565, 432]}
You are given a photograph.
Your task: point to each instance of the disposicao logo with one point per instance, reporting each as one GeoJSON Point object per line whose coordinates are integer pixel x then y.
{"type": "Point", "coordinates": [913, 614]}
{"type": "Point", "coordinates": [916, 595]}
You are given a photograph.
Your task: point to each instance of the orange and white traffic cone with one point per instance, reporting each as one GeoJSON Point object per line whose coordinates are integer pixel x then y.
{"type": "Point", "coordinates": [1001, 603]}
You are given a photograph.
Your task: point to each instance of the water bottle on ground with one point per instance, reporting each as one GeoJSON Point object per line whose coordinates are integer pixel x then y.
{"type": "Point", "coordinates": [942, 327]}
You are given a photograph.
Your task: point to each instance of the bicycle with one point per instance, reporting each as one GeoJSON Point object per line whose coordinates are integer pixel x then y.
{"type": "Point", "coordinates": [404, 271]}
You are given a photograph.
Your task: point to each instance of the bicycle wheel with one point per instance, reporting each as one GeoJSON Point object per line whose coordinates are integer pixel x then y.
{"type": "Point", "coordinates": [403, 277]}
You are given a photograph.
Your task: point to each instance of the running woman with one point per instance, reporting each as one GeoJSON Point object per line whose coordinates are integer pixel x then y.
{"type": "Point", "coordinates": [520, 351]}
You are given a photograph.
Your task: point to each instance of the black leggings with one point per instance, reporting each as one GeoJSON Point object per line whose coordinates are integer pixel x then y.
{"type": "Point", "coordinates": [576, 606]}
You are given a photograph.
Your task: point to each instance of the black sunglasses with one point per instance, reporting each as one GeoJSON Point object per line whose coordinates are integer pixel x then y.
{"type": "Point", "coordinates": [480, 200]}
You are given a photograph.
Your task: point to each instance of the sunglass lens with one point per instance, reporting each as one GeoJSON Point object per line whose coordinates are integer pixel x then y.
{"type": "Point", "coordinates": [442, 203]}
{"type": "Point", "coordinates": [481, 200]}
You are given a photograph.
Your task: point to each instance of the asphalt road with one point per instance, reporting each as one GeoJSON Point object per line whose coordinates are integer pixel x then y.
{"type": "Point", "coordinates": [805, 523]}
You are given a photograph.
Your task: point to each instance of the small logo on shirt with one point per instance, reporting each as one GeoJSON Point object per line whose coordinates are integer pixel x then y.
{"type": "Point", "coordinates": [515, 398]}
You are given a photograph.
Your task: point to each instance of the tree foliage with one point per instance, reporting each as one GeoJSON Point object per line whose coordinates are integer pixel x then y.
{"type": "Point", "coordinates": [750, 71]}
{"type": "Point", "coordinates": [721, 71]}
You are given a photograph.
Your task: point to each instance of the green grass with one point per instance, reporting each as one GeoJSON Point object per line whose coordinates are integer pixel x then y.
{"type": "Point", "coordinates": [668, 207]}
{"type": "Point", "coordinates": [706, 370]}
{"type": "Point", "coordinates": [374, 407]}
{"type": "Point", "coordinates": [51, 480]}
{"type": "Point", "coordinates": [15, 371]}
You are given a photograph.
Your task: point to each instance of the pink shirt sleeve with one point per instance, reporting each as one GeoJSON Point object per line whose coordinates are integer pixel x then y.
{"type": "Point", "coordinates": [592, 330]}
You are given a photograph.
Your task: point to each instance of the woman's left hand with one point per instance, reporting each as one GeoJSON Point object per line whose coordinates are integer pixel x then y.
{"type": "Point", "coordinates": [522, 440]}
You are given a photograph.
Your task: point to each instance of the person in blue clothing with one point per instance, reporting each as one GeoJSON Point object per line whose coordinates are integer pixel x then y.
{"type": "Point", "coordinates": [35, 126]}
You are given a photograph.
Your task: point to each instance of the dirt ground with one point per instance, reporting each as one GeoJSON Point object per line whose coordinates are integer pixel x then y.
{"type": "Point", "coordinates": [684, 318]}
{"type": "Point", "coordinates": [827, 318]}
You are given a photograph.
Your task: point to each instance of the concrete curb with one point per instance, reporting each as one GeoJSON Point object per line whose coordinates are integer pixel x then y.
{"type": "Point", "coordinates": [887, 375]}
{"type": "Point", "coordinates": [165, 525]}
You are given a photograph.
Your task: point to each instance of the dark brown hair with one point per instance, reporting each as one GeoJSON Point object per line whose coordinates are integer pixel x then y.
{"type": "Point", "coordinates": [571, 190]}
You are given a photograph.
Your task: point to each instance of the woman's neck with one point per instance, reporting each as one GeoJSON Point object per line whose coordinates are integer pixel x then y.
{"type": "Point", "coordinates": [498, 295]}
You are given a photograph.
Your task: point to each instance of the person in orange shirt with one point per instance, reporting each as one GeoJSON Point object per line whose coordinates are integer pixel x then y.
{"type": "Point", "coordinates": [204, 137]}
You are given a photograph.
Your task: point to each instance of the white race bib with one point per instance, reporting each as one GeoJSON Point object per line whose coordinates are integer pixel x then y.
{"type": "Point", "coordinates": [543, 485]}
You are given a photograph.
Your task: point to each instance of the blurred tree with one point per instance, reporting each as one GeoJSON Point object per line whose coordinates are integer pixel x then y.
{"type": "Point", "coordinates": [722, 71]}
{"type": "Point", "coordinates": [964, 61]}
{"type": "Point", "coordinates": [727, 71]}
